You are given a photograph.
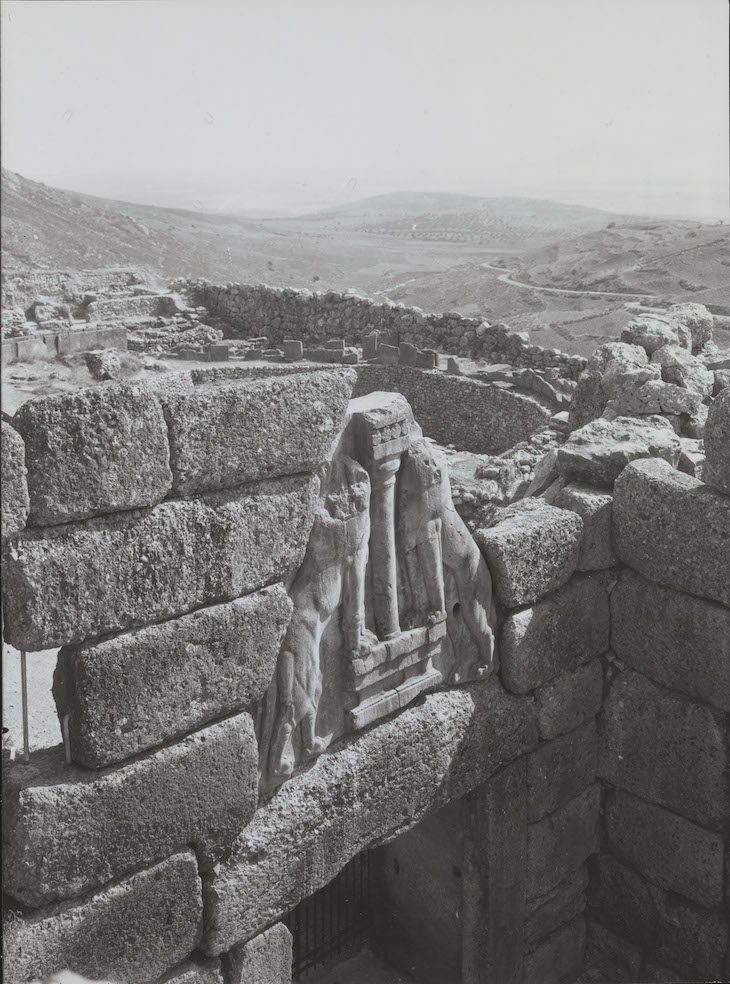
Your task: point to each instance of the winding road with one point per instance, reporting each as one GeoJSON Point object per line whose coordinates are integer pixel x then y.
{"type": "Point", "coordinates": [506, 278]}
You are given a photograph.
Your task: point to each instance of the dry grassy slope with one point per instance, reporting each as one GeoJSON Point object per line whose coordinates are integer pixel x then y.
{"type": "Point", "coordinates": [49, 227]}
{"type": "Point", "coordinates": [670, 259]}
{"type": "Point", "coordinates": [497, 222]}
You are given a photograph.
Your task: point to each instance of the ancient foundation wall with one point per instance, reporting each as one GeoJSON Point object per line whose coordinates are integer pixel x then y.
{"type": "Point", "coordinates": [282, 313]}
{"type": "Point", "coordinates": [158, 547]}
{"type": "Point", "coordinates": [19, 288]}
{"type": "Point", "coordinates": [466, 413]}
{"type": "Point", "coordinates": [659, 889]}
{"type": "Point", "coordinates": [453, 410]}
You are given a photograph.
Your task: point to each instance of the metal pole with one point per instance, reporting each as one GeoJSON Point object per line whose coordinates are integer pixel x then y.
{"type": "Point", "coordinates": [24, 692]}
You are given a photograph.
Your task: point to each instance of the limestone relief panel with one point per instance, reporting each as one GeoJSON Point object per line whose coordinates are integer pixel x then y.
{"type": "Point", "coordinates": [393, 597]}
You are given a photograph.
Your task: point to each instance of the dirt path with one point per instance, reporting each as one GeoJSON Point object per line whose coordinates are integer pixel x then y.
{"type": "Point", "coordinates": [506, 278]}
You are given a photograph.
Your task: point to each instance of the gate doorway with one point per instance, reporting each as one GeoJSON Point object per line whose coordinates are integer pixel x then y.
{"type": "Point", "coordinates": [393, 915]}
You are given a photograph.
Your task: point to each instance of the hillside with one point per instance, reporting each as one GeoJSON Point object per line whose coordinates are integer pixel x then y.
{"type": "Point", "coordinates": [511, 223]}
{"type": "Point", "coordinates": [672, 259]}
{"type": "Point", "coordinates": [446, 263]}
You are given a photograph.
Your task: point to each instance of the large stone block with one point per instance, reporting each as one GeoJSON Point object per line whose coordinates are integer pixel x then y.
{"type": "Point", "coordinates": [673, 529]}
{"type": "Point", "coordinates": [672, 637]}
{"type": "Point", "coordinates": [624, 899]}
{"type": "Point", "coordinates": [696, 319]}
{"type": "Point", "coordinates": [531, 551]}
{"type": "Point", "coordinates": [68, 830]}
{"type": "Point", "coordinates": [614, 957]}
{"type": "Point", "coordinates": [559, 770]}
{"type": "Point", "coordinates": [569, 700]}
{"type": "Point", "coordinates": [222, 435]}
{"type": "Point", "coordinates": [561, 904]}
{"type": "Point", "coordinates": [195, 972]}
{"type": "Point", "coordinates": [131, 932]}
{"type": "Point", "coordinates": [673, 931]}
{"type": "Point", "coordinates": [15, 501]}
{"type": "Point", "coordinates": [666, 749]}
{"type": "Point", "coordinates": [597, 453]}
{"type": "Point", "coordinates": [66, 584]}
{"type": "Point", "coordinates": [558, 633]}
{"type": "Point", "coordinates": [490, 898]}
{"type": "Point", "coordinates": [132, 692]}
{"type": "Point", "coordinates": [369, 789]}
{"type": "Point", "coordinates": [559, 957]}
{"type": "Point", "coordinates": [671, 852]}
{"type": "Point", "coordinates": [651, 331]}
{"type": "Point", "coordinates": [716, 470]}
{"type": "Point", "coordinates": [594, 508]}
{"type": "Point", "coordinates": [266, 959]}
{"type": "Point", "coordinates": [561, 842]}
{"type": "Point", "coordinates": [99, 450]}
{"type": "Point", "coordinates": [691, 938]}
{"type": "Point", "coordinates": [683, 369]}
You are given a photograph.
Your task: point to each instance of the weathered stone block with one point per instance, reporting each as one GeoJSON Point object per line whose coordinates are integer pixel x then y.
{"type": "Point", "coordinates": [100, 450]}
{"type": "Point", "coordinates": [532, 550]}
{"type": "Point", "coordinates": [656, 974]}
{"type": "Point", "coordinates": [293, 349]}
{"type": "Point", "coordinates": [561, 842]}
{"type": "Point", "coordinates": [594, 508]}
{"type": "Point", "coordinates": [15, 501]}
{"type": "Point", "coordinates": [683, 369]}
{"type": "Point", "coordinates": [132, 931]}
{"type": "Point", "coordinates": [224, 434]}
{"type": "Point", "coordinates": [561, 904]}
{"type": "Point", "coordinates": [716, 470]}
{"type": "Point", "coordinates": [132, 692]}
{"type": "Point", "coordinates": [369, 789]}
{"type": "Point", "coordinates": [672, 637]}
{"type": "Point", "coordinates": [569, 700]}
{"type": "Point", "coordinates": [623, 898]}
{"type": "Point", "coordinates": [266, 959]}
{"type": "Point", "coordinates": [70, 583]}
{"type": "Point", "coordinates": [673, 931]}
{"type": "Point", "coordinates": [558, 633]}
{"type": "Point", "coordinates": [196, 972]}
{"type": "Point", "coordinates": [614, 957]}
{"type": "Point", "coordinates": [670, 851]}
{"type": "Point", "coordinates": [490, 897]}
{"type": "Point", "coordinates": [651, 331]}
{"type": "Point", "coordinates": [597, 453]}
{"type": "Point", "coordinates": [696, 319]}
{"type": "Point", "coordinates": [68, 830]}
{"type": "Point", "coordinates": [673, 529]}
{"type": "Point", "coordinates": [558, 957]}
{"type": "Point", "coordinates": [666, 749]}
{"type": "Point", "coordinates": [559, 770]}
{"type": "Point", "coordinates": [691, 938]}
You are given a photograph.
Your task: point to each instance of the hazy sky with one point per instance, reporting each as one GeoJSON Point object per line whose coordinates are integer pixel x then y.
{"type": "Point", "coordinates": [242, 104]}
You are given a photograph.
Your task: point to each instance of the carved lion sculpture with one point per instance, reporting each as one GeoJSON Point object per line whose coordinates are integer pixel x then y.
{"type": "Point", "coordinates": [433, 536]}
{"type": "Point", "coordinates": [332, 574]}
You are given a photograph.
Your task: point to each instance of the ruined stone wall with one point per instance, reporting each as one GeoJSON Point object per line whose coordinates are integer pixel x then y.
{"type": "Point", "coordinates": [19, 288]}
{"type": "Point", "coordinates": [282, 313]}
{"type": "Point", "coordinates": [466, 413]}
{"type": "Point", "coordinates": [659, 891]}
{"type": "Point", "coordinates": [153, 536]}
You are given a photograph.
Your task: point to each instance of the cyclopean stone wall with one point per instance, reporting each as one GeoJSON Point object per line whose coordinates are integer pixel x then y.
{"type": "Point", "coordinates": [456, 410]}
{"type": "Point", "coordinates": [659, 889]}
{"type": "Point", "coordinates": [167, 543]}
{"type": "Point", "coordinates": [312, 316]}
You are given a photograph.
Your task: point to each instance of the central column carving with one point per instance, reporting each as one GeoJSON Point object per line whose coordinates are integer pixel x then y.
{"type": "Point", "coordinates": [382, 547]}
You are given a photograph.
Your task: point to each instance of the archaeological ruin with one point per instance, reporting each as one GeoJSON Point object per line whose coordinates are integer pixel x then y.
{"type": "Point", "coordinates": [375, 628]}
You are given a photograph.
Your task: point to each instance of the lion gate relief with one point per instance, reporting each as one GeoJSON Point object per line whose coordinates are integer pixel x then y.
{"type": "Point", "coordinates": [393, 597]}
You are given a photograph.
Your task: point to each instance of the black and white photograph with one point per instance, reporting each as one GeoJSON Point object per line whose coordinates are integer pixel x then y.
{"type": "Point", "coordinates": [365, 386]}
